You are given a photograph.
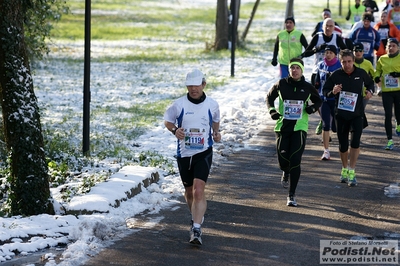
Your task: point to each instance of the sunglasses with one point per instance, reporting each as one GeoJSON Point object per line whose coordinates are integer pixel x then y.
{"type": "Point", "coordinates": [358, 50]}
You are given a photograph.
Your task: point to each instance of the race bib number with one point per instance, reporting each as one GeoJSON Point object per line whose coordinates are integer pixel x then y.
{"type": "Point", "coordinates": [293, 109]}
{"type": "Point", "coordinates": [194, 139]}
{"type": "Point", "coordinates": [347, 101]}
{"type": "Point", "coordinates": [391, 82]}
{"type": "Point", "coordinates": [396, 17]}
{"type": "Point", "coordinates": [357, 18]}
{"type": "Point", "coordinates": [367, 47]}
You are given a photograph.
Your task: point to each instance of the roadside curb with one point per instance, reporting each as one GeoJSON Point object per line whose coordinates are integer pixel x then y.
{"type": "Point", "coordinates": [123, 185]}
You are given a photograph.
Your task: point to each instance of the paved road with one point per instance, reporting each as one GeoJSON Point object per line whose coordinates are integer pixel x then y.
{"type": "Point", "coordinates": [247, 220]}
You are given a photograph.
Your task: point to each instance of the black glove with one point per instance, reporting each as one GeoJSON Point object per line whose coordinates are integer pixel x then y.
{"type": "Point", "coordinates": [274, 62]}
{"type": "Point", "coordinates": [377, 79]}
{"type": "Point", "coordinates": [321, 47]}
{"type": "Point", "coordinates": [274, 114]}
{"type": "Point", "coordinates": [395, 74]}
{"type": "Point", "coordinates": [310, 109]}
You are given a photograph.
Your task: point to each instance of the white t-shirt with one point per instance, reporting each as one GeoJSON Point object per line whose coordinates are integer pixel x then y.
{"type": "Point", "coordinates": [196, 120]}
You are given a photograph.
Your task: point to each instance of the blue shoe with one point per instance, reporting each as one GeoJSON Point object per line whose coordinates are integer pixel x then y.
{"type": "Point", "coordinates": [398, 130]}
{"type": "Point", "coordinates": [390, 145]}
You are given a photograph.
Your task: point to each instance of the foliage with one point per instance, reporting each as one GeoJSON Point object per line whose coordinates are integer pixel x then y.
{"type": "Point", "coordinates": [40, 14]}
{"type": "Point", "coordinates": [154, 159]}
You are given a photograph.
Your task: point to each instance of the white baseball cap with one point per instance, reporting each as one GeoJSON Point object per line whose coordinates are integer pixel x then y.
{"type": "Point", "coordinates": [194, 78]}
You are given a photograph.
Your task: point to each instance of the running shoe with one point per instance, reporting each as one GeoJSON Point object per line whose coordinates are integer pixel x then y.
{"type": "Point", "coordinates": [352, 179]}
{"type": "Point", "coordinates": [398, 130]}
{"type": "Point", "coordinates": [326, 156]}
{"type": "Point", "coordinates": [291, 201]}
{"type": "Point", "coordinates": [344, 176]}
{"type": "Point", "coordinates": [195, 236]}
{"type": "Point", "coordinates": [318, 130]}
{"type": "Point", "coordinates": [285, 180]}
{"type": "Point", "coordinates": [389, 146]}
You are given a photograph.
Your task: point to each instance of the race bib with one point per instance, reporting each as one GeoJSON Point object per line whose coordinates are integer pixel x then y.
{"type": "Point", "coordinates": [391, 82]}
{"type": "Point", "coordinates": [367, 47]}
{"type": "Point", "coordinates": [293, 109]}
{"type": "Point", "coordinates": [347, 101]}
{"type": "Point", "coordinates": [396, 17]}
{"type": "Point", "coordinates": [357, 18]}
{"type": "Point", "coordinates": [194, 138]}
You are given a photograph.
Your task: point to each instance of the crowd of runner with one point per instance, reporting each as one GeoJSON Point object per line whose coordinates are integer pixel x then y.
{"type": "Point", "coordinates": [347, 72]}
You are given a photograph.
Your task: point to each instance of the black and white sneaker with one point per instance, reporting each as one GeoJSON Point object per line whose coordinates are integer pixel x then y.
{"type": "Point", "coordinates": [285, 180]}
{"type": "Point", "coordinates": [291, 201]}
{"type": "Point", "coordinates": [195, 236]}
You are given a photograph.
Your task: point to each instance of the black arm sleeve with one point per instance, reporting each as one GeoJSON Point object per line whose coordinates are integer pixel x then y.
{"type": "Point", "coordinates": [276, 49]}
{"type": "Point", "coordinates": [272, 95]}
{"type": "Point", "coordinates": [340, 43]}
{"type": "Point", "coordinates": [348, 15]}
{"type": "Point", "coordinates": [315, 98]}
{"type": "Point", "coordinates": [317, 80]}
{"type": "Point", "coordinates": [375, 6]}
{"type": "Point", "coordinates": [309, 50]}
{"type": "Point", "coordinates": [315, 30]}
{"type": "Point", "coordinates": [328, 87]}
{"type": "Point", "coordinates": [369, 83]}
{"type": "Point", "coordinates": [304, 41]}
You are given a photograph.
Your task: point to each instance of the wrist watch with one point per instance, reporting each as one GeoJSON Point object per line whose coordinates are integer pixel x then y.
{"type": "Point", "coordinates": [173, 130]}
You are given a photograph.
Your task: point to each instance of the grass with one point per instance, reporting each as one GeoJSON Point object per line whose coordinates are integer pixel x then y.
{"type": "Point", "coordinates": [148, 20]}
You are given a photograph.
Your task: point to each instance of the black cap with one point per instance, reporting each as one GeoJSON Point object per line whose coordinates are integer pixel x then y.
{"type": "Point", "coordinates": [367, 16]}
{"type": "Point", "coordinates": [358, 46]}
{"type": "Point", "coordinates": [393, 40]}
{"type": "Point", "coordinates": [331, 48]}
{"type": "Point", "coordinates": [290, 18]}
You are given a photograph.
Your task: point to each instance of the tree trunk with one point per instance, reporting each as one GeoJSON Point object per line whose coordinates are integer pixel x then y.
{"type": "Point", "coordinates": [29, 192]}
{"type": "Point", "coordinates": [246, 30]}
{"type": "Point", "coordinates": [222, 26]}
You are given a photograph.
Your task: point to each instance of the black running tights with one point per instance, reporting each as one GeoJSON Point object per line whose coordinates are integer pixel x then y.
{"type": "Point", "coordinates": [290, 147]}
{"type": "Point", "coordinates": [390, 99]}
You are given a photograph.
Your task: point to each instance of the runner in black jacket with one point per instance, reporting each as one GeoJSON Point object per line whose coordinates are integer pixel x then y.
{"type": "Point", "coordinates": [294, 94]}
{"type": "Point", "coordinates": [346, 85]}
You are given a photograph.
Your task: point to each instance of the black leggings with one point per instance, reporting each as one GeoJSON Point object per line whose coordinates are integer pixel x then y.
{"type": "Point", "coordinates": [290, 147]}
{"type": "Point", "coordinates": [344, 127]}
{"type": "Point", "coordinates": [390, 99]}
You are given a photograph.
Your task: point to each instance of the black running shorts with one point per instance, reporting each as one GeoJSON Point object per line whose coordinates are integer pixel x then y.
{"type": "Point", "coordinates": [197, 166]}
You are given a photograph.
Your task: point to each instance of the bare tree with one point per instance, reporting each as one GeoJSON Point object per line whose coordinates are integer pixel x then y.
{"type": "Point", "coordinates": [29, 192]}
{"type": "Point", "coordinates": [247, 28]}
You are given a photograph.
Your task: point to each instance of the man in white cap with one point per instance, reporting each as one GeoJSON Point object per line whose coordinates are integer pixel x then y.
{"type": "Point", "coordinates": [194, 120]}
